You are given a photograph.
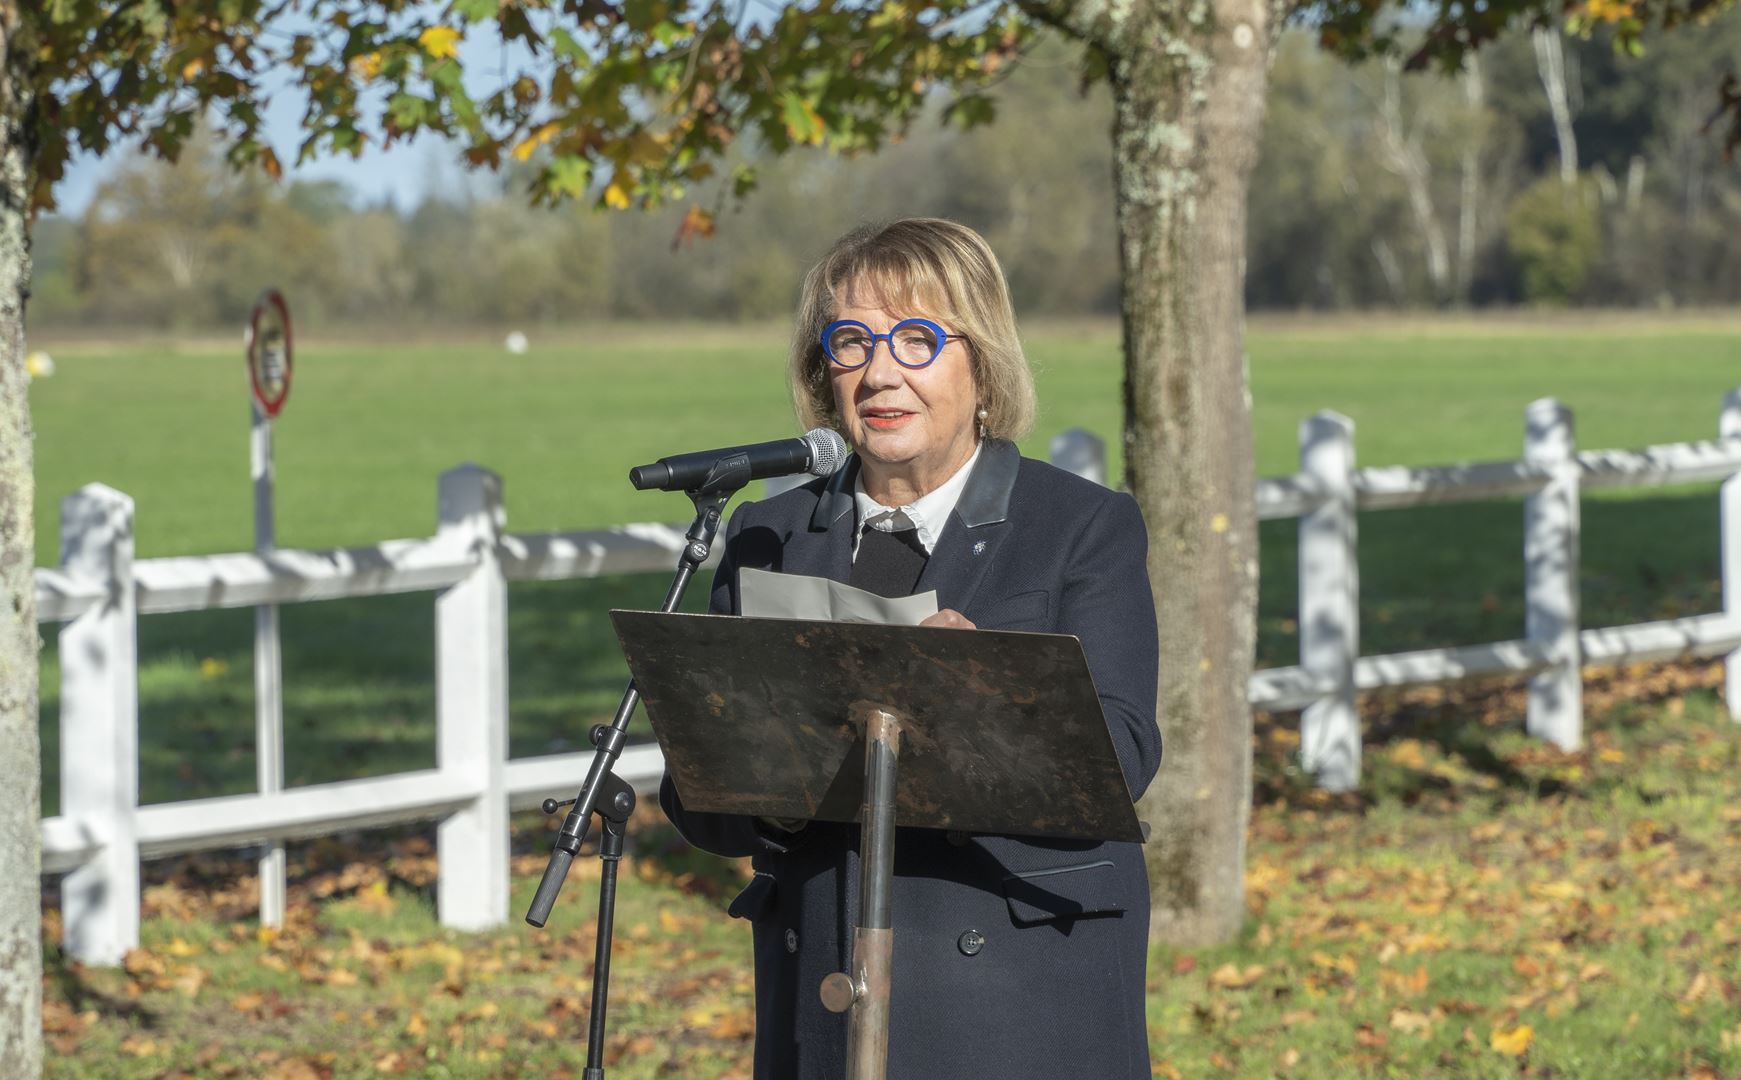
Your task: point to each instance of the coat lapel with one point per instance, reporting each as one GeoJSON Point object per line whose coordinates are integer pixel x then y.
{"type": "Point", "coordinates": [826, 549]}
{"type": "Point", "coordinates": [965, 550]}
{"type": "Point", "coordinates": [970, 539]}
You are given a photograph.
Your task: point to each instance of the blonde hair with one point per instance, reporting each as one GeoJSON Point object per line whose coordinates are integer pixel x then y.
{"type": "Point", "coordinates": [927, 266]}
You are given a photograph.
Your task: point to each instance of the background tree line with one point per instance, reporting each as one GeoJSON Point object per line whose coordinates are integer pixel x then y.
{"type": "Point", "coordinates": [1550, 170]}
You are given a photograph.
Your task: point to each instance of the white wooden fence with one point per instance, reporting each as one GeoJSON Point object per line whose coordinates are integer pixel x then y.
{"type": "Point", "coordinates": [100, 590]}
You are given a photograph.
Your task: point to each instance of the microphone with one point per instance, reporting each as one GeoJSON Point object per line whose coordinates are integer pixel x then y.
{"type": "Point", "coordinates": [819, 452]}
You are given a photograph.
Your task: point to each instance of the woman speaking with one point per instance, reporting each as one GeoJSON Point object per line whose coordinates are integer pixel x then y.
{"type": "Point", "coordinates": [1014, 958]}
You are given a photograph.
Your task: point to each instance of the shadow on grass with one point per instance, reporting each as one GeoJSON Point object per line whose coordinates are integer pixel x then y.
{"type": "Point", "coordinates": [1443, 749]}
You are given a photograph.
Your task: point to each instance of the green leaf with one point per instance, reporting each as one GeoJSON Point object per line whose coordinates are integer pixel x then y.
{"type": "Point", "coordinates": [409, 112]}
{"type": "Point", "coordinates": [970, 111]}
{"type": "Point", "coordinates": [475, 10]}
{"type": "Point", "coordinates": [568, 175]}
{"type": "Point", "coordinates": [743, 180]}
{"type": "Point", "coordinates": [802, 122]}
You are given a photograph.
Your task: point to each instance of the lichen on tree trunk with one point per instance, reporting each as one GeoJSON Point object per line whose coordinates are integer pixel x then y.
{"type": "Point", "coordinates": [20, 749]}
{"type": "Point", "coordinates": [1188, 92]}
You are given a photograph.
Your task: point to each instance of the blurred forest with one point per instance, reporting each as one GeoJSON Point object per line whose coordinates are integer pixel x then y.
{"type": "Point", "coordinates": [1550, 171]}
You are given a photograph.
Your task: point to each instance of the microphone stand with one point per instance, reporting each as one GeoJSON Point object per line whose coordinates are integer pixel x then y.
{"type": "Point", "coordinates": [607, 794]}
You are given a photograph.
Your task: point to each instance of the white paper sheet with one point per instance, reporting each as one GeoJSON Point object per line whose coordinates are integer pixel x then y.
{"type": "Point", "coordinates": [766, 595]}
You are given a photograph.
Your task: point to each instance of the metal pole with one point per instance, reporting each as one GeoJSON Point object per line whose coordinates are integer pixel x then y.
{"type": "Point", "coordinates": [268, 669]}
{"type": "Point", "coordinates": [866, 990]}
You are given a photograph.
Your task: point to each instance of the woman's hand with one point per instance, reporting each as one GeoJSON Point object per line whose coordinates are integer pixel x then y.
{"type": "Point", "coordinates": [950, 618]}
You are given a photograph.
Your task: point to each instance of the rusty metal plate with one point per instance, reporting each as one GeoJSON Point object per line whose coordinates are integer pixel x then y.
{"type": "Point", "coordinates": [1003, 732]}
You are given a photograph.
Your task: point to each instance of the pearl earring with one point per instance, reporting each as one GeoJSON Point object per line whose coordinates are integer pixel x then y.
{"type": "Point", "coordinates": [982, 416]}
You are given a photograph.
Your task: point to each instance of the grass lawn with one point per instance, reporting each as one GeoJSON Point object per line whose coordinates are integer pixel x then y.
{"type": "Point", "coordinates": [1486, 907]}
{"type": "Point", "coordinates": [371, 425]}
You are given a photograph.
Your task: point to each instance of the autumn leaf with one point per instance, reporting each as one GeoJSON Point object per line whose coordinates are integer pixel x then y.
{"type": "Point", "coordinates": [138, 1046]}
{"type": "Point", "coordinates": [366, 66]}
{"type": "Point", "coordinates": [538, 137]}
{"type": "Point", "coordinates": [617, 199]}
{"type": "Point", "coordinates": [803, 123]}
{"type": "Point", "coordinates": [1512, 1042]}
{"type": "Point", "coordinates": [696, 222]}
{"type": "Point", "coordinates": [1230, 977]}
{"type": "Point", "coordinates": [439, 42]}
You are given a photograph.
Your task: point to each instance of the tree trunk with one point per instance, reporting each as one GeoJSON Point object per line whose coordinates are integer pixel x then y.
{"type": "Point", "coordinates": [1469, 190]}
{"type": "Point", "coordinates": [20, 750]}
{"type": "Point", "coordinates": [1405, 157]}
{"type": "Point", "coordinates": [1188, 91]}
{"type": "Point", "coordinates": [1550, 62]}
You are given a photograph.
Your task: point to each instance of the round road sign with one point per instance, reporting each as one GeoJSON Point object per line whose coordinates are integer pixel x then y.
{"type": "Point", "coordinates": [269, 352]}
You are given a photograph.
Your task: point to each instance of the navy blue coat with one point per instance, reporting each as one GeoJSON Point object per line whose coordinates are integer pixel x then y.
{"type": "Point", "coordinates": [1055, 988]}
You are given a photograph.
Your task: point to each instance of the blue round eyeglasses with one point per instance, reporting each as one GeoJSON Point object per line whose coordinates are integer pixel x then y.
{"type": "Point", "coordinates": [914, 343]}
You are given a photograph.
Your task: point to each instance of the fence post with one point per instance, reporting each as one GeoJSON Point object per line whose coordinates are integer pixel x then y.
{"type": "Point", "coordinates": [1080, 452]}
{"type": "Point", "coordinates": [99, 726]}
{"type": "Point", "coordinates": [268, 672]}
{"type": "Point", "coordinates": [1330, 601]}
{"type": "Point", "coordinates": [1729, 518]}
{"type": "Point", "coordinates": [471, 708]}
{"type": "Point", "coordinates": [1550, 555]}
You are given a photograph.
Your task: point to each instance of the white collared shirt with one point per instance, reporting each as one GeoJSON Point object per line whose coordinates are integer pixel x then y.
{"type": "Point", "coordinates": [927, 514]}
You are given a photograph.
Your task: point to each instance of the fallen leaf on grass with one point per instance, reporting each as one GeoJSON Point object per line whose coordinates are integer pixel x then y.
{"type": "Point", "coordinates": [138, 1046]}
{"type": "Point", "coordinates": [632, 1046]}
{"type": "Point", "coordinates": [1408, 984]}
{"type": "Point", "coordinates": [298, 1069]}
{"type": "Point", "coordinates": [1512, 1042]}
{"type": "Point", "coordinates": [142, 964]}
{"type": "Point", "coordinates": [375, 897]}
{"type": "Point", "coordinates": [1701, 986]}
{"type": "Point", "coordinates": [1230, 977]}
{"type": "Point", "coordinates": [58, 1016]}
{"type": "Point", "coordinates": [188, 979]}
{"type": "Point", "coordinates": [735, 1024]}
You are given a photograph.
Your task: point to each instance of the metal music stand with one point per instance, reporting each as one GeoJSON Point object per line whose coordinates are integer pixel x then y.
{"type": "Point", "coordinates": [992, 732]}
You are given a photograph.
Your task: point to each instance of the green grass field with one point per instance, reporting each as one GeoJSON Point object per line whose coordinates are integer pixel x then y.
{"type": "Point", "coordinates": [370, 426]}
{"type": "Point", "coordinates": [1485, 907]}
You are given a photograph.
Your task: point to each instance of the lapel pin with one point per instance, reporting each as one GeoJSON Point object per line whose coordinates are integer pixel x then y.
{"type": "Point", "coordinates": [979, 548]}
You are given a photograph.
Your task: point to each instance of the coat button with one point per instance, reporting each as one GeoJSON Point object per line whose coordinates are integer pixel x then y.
{"type": "Point", "coordinates": [791, 941]}
{"type": "Point", "coordinates": [970, 943]}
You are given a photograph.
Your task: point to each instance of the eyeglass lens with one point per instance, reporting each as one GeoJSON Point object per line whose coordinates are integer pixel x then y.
{"type": "Point", "coordinates": [912, 343]}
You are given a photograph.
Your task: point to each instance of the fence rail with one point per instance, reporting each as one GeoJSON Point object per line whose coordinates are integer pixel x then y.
{"type": "Point", "coordinates": [100, 590]}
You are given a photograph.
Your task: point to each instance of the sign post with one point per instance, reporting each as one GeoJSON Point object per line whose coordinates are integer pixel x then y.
{"type": "Point", "coordinates": [269, 367]}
